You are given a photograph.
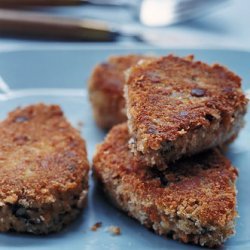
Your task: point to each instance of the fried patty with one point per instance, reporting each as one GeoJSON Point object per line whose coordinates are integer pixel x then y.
{"type": "Point", "coordinates": [194, 200]}
{"type": "Point", "coordinates": [178, 107]}
{"type": "Point", "coordinates": [43, 170]}
{"type": "Point", "coordinates": [106, 90]}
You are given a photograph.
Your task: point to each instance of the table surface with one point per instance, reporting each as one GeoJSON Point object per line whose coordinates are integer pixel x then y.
{"type": "Point", "coordinates": [227, 27]}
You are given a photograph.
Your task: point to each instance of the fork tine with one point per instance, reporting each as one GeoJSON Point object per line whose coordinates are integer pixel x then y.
{"type": "Point", "coordinates": [174, 11]}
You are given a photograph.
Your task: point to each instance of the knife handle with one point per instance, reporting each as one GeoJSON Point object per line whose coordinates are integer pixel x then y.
{"type": "Point", "coordinates": [25, 23]}
{"type": "Point", "coordinates": [23, 3]}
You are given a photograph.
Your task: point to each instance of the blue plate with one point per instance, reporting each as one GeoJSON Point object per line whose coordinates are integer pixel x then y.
{"type": "Point", "coordinates": [60, 76]}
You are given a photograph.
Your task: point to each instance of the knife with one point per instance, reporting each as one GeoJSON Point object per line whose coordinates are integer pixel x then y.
{"type": "Point", "coordinates": [33, 24]}
{"type": "Point", "coordinates": [25, 3]}
{"type": "Point", "coordinates": [22, 3]}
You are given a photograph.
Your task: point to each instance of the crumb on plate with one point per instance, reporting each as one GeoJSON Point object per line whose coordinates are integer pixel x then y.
{"type": "Point", "coordinates": [114, 230]}
{"type": "Point", "coordinates": [96, 226]}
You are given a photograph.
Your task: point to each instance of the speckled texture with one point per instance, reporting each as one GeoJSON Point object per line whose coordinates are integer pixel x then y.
{"type": "Point", "coordinates": [177, 106]}
{"type": "Point", "coordinates": [106, 89]}
{"type": "Point", "coordinates": [194, 200]}
{"type": "Point", "coordinates": [43, 170]}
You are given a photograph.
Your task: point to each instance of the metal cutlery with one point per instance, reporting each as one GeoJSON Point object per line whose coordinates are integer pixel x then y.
{"type": "Point", "coordinates": [25, 3]}
{"type": "Point", "coordinates": [151, 13]}
{"type": "Point", "coordinates": [32, 24]}
{"type": "Point", "coordinates": [167, 12]}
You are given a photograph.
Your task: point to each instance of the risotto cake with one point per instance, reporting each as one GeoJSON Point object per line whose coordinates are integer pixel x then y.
{"type": "Point", "coordinates": [193, 200]}
{"type": "Point", "coordinates": [106, 90]}
{"type": "Point", "coordinates": [178, 107]}
{"type": "Point", "coordinates": [43, 170]}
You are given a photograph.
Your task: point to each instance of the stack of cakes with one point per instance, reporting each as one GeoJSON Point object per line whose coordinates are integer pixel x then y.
{"type": "Point", "coordinates": [164, 164]}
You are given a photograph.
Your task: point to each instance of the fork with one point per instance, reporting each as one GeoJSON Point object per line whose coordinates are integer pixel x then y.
{"type": "Point", "coordinates": [168, 12]}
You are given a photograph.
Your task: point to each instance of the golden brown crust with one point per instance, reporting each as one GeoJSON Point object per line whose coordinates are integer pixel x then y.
{"type": "Point", "coordinates": [170, 99]}
{"type": "Point", "coordinates": [106, 90]}
{"type": "Point", "coordinates": [194, 199]}
{"type": "Point", "coordinates": [43, 162]}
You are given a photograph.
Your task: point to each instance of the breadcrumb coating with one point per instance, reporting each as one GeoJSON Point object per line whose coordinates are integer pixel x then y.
{"type": "Point", "coordinates": [106, 89]}
{"type": "Point", "coordinates": [178, 107]}
{"type": "Point", "coordinates": [194, 200]}
{"type": "Point", "coordinates": [43, 170]}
